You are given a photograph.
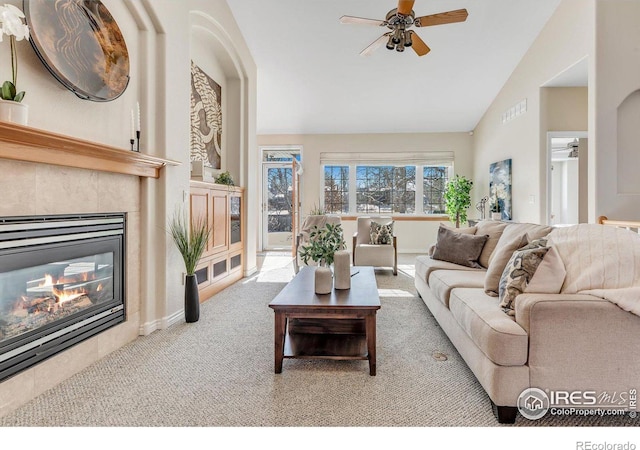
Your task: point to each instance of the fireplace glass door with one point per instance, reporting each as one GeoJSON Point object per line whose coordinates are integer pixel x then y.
{"type": "Point", "coordinates": [61, 281]}
{"type": "Point", "coordinates": [33, 297]}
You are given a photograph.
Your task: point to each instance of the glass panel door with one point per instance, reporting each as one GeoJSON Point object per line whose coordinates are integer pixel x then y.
{"type": "Point", "coordinates": [277, 211]}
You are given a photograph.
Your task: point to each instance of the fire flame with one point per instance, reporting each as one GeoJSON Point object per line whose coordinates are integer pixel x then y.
{"type": "Point", "coordinates": [48, 281]}
{"type": "Point", "coordinates": [61, 295]}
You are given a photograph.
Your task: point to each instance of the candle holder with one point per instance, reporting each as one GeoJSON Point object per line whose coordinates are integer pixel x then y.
{"type": "Point", "coordinates": [138, 141]}
{"type": "Point", "coordinates": [132, 141]}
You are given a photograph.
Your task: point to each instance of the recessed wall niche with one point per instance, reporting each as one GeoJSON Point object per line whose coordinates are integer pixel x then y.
{"type": "Point", "coordinates": [627, 146]}
{"type": "Point", "coordinates": [211, 54]}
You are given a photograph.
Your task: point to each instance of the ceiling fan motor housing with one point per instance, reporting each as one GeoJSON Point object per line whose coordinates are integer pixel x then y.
{"type": "Point", "coordinates": [398, 23]}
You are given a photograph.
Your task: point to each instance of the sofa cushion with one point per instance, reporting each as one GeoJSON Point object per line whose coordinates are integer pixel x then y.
{"type": "Point", "coordinates": [514, 236]}
{"type": "Point", "coordinates": [463, 230]}
{"type": "Point", "coordinates": [496, 334]}
{"type": "Point", "coordinates": [374, 255]}
{"type": "Point", "coordinates": [458, 248]}
{"type": "Point", "coordinates": [425, 265]}
{"type": "Point", "coordinates": [441, 282]}
{"type": "Point", "coordinates": [493, 229]}
{"type": "Point", "coordinates": [519, 271]}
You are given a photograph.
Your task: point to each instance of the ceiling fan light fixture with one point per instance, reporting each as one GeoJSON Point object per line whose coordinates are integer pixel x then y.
{"type": "Point", "coordinates": [390, 44]}
{"type": "Point", "coordinates": [408, 41]}
{"type": "Point", "coordinates": [398, 36]}
{"type": "Point", "coordinates": [400, 46]}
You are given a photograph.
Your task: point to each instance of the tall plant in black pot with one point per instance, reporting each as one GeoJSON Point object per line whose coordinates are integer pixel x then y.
{"type": "Point", "coordinates": [191, 239]}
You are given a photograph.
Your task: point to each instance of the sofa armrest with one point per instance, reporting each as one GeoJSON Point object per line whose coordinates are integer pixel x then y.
{"type": "Point", "coordinates": [528, 305]}
{"type": "Point", "coordinates": [579, 342]}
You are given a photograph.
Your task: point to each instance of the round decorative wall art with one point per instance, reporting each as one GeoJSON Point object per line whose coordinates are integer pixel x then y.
{"type": "Point", "coordinates": [80, 43]}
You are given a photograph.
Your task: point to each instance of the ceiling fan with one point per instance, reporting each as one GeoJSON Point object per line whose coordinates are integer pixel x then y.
{"type": "Point", "coordinates": [399, 20]}
{"type": "Point", "coordinates": [571, 148]}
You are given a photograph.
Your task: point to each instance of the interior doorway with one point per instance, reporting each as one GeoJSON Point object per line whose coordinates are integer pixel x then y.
{"type": "Point", "coordinates": [567, 178]}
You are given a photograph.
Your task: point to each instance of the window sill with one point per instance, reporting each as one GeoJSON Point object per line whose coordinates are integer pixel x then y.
{"type": "Point", "coordinates": [403, 218]}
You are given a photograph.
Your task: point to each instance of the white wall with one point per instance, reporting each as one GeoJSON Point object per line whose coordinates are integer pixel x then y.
{"type": "Point", "coordinates": [411, 235]}
{"type": "Point", "coordinates": [565, 40]}
{"type": "Point", "coordinates": [616, 192]}
{"type": "Point", "coordinates": [158, 36]}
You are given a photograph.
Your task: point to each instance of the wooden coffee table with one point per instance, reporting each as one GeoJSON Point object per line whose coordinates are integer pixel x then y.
{"type": "Point", "coordinates": [340, 325]}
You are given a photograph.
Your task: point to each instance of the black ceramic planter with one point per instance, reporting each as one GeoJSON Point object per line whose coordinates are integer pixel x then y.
{"type": "Point", "coordinates": [191, 299]}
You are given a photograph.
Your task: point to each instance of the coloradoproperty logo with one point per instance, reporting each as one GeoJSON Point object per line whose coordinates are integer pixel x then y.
{"type": "Point", "coordinates": [534, 403]}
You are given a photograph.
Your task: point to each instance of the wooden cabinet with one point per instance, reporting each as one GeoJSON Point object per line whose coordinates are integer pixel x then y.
{"type": "Point", "coordinates": [223, 260]}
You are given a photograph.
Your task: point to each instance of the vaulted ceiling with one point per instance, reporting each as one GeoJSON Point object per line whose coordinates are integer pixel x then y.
{"type": "Point", "coordinates": [312, 79]}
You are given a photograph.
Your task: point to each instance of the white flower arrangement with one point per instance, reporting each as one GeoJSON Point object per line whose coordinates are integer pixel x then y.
{"type": "Point", "coordinates": [11, 24]}
{"type": "Point", "coordinates": [498, 192]}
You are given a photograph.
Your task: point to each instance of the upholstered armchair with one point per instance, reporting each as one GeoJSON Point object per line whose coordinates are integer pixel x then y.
{"type": "Point", "coordinates": [303, 237]}
{"type": "Point", "coordinates": [382, 251]}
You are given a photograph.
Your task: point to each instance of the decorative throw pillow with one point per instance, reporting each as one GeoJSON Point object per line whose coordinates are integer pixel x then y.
{"type": "Point", "coordinates": [458, 248]}
{"type": "Point", "coordinates": [519, 271]}
{"type": "Point", "coordinates": [467, 230]}
{"type": "Point", "coordinates": [514, 236]}
{"type": "Point", "coordinates": [381, 234]}
{"type": "Point", "coordinates": [550, 274]}
{"type": "Point", "coordinates": [494, 229]}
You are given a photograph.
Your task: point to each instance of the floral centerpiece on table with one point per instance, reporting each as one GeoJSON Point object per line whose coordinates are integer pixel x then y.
{"type": "Point", "coordinates": [323, 244]}
{"type": "Point", "coordinates": [11, 24]}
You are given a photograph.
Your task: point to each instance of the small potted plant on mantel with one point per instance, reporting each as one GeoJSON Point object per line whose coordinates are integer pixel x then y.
{"type": "Point", "coordinates": [323, 244]}
{"type": "Point", "coordinates": [11, 108]}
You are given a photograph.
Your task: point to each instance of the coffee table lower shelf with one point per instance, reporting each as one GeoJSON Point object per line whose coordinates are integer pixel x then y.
{"type": "Point", "coordinates": [325, 346]}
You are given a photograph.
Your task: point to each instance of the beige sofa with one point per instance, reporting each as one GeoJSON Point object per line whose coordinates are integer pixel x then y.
{"type": "Point", "coordinates": [566, 341]}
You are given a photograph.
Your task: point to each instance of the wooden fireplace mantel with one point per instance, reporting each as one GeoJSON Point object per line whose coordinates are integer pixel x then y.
{"type": "Point", "coordinates": [21, 143]}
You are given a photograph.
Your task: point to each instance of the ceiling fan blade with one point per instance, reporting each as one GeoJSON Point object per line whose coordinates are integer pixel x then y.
{"type": "Point", "coordinates": [361, 21]}
{"type": "Point", "coordinates": [375, 45]}
{"type": "Point", "coordinates": [418, 45]}
{"type": "Point", "coordinates": [459, 15]}
{"type": "Point", "coordinates": [405, 7]}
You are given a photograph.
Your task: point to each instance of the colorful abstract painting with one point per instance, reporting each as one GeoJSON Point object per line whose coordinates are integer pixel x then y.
{"type": "Point", "coordinates": [206, 119]}
{"type": "Point", "coordinates": [500, 188]}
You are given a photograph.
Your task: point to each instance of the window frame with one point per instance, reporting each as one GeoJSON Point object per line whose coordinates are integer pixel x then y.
{"type": "Point", "coordinates": [352, 193]}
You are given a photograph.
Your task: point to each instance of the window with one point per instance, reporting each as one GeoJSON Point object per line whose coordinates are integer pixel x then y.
{"type": "Point", "coordinates": [336, 189]}
{"type": "Point", "coordinates": [434, 181]}
{"type": "Point", "coordinates": [393, 183]}
{"type": "Point", "coordinates": [386, 189]}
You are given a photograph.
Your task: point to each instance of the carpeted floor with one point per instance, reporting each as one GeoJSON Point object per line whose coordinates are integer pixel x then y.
{"type": "Point", "coordinates": [218, 372]}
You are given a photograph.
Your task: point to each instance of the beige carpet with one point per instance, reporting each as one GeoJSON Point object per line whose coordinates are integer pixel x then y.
{"type": "Point", "coordinates": [218, 372]}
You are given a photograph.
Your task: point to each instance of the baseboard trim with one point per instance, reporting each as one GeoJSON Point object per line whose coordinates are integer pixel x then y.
{"type": "Point", "coordinates": [160, 324]}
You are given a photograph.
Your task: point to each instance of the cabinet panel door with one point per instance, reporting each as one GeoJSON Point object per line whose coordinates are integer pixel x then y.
{"type": "Point", "coordinates": [200, 209]}
{"type": "Point", "coordinates": [220, 208]}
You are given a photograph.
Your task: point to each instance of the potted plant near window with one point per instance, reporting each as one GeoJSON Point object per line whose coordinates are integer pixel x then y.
{"type": "Point", "coordinates": [457, 197]}
{"type": "Point", "coordinates": [191, 239]}
{"type": "Point", "coordinates": [11, 108]}
{"type": "Point", "coordinates": [323, 244]}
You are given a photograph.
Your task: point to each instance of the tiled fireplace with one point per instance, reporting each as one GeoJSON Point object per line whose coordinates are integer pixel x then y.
{"type": "Point", "coordinates": [34, 189]}
{"type": "Point", "coordinates": [61, 282]}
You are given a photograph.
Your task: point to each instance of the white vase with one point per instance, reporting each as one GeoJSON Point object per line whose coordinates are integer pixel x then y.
{"type": "Point", "coordinates": [323, 280]}
{"type": "Point", "coordinates": [15, 112]}
{"type": "Point", "coordinates": [496, 216]}
{"type": "Point", "coordinates": [342, 269]}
